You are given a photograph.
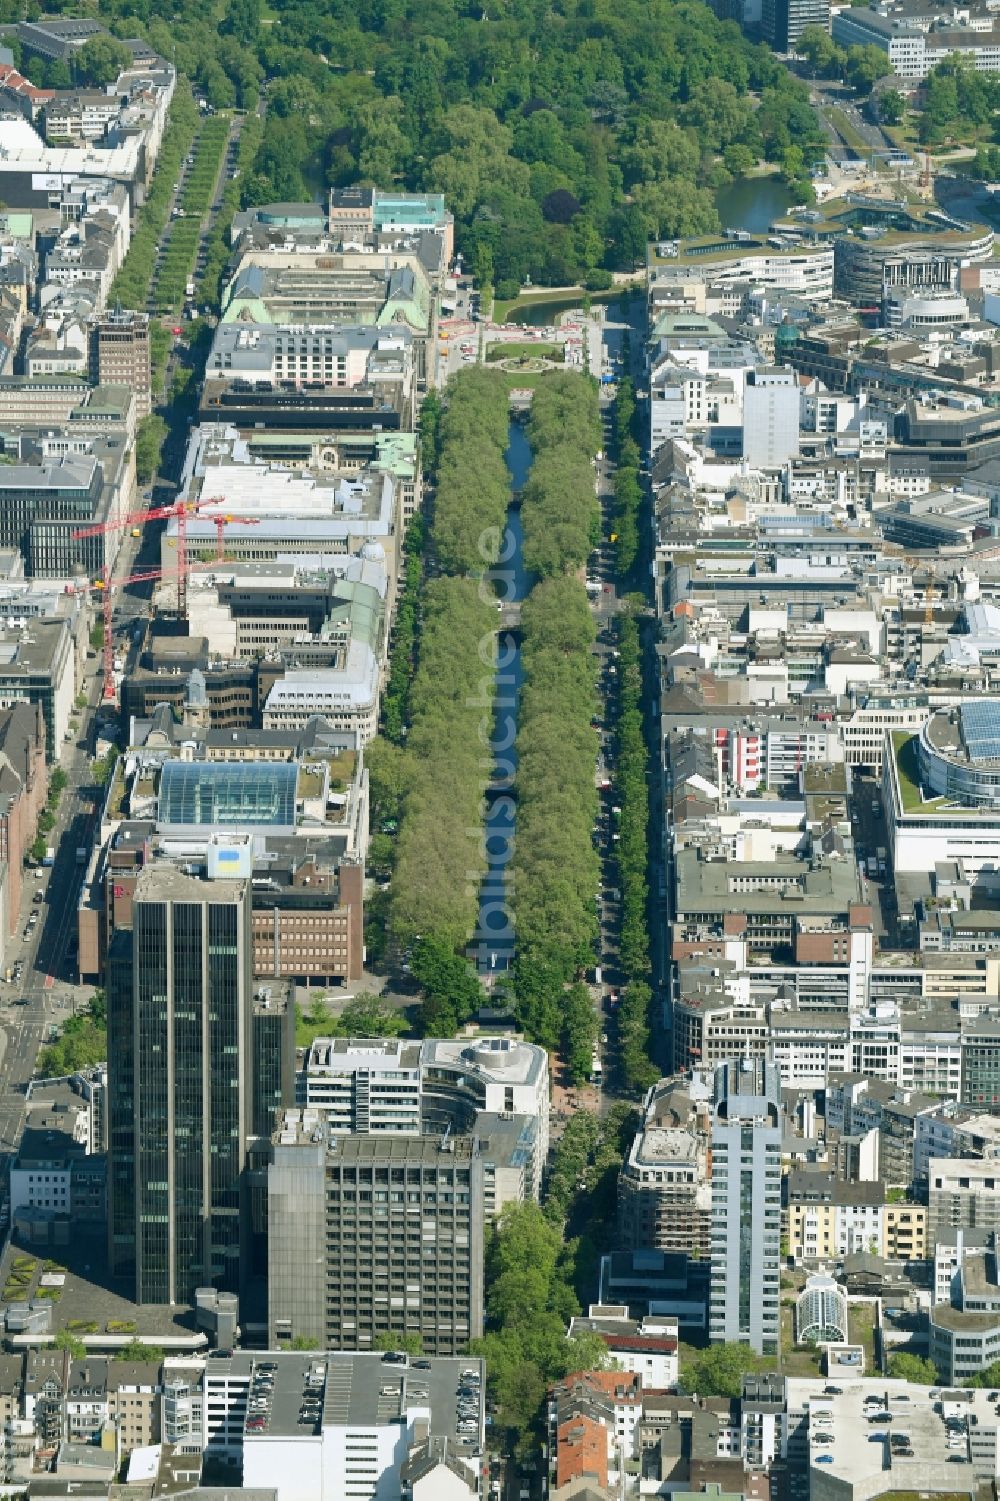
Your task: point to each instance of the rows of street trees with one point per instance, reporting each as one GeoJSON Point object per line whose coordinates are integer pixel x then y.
{"type": "Point", "coordinates": [441, 717]}
{"type": "Point", "coordinates": [131, 285]}
{"type": "Point", "coordinates": [634, 1029]}
{"type": "Point", "coordinates": [440, 856]}
{"type": "Point", "coordinates": [396, 698]}
{"type": "Point", "coordinates": [180, 247]}
{"type": "Point", "coordinates": [529, 1302]}
{"type": "Point", "coordinates": [473, 483]}
{"type": "Point", "coordinates": [217, 249]}
{"type": "Point", "coordinates": [559, 512]}
{"type": "Point", "coordinates": [429, 768]}
{"type": "Point", "coordinates": [628, 486]}
{"type": "Point", "coordinates": [555, 866]}
{"type": "Point", "coordinates": [540, 1264]}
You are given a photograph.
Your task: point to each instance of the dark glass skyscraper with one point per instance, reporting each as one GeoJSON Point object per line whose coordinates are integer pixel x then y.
{"type": "Point", "coordinates": [181, 1069]}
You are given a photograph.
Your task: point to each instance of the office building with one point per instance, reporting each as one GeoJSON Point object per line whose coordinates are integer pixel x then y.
{"type": "Point", "coordinates": [746, 1205]}
{"type": "Point", "coordinates": [940, 796]}
{"type": "Point", "coordinates": [367, 1088]}
{"type": "Point", "coordinates": [771, 405]}
{"type": "Point", "coordinates": [366, 215]}
{"type": "Point", "coordinates": [965, 1329]}
{"type": "Point", "coordinates": [39, 667]}
{"type": "Point", "coordinates": [981, 1064]}
{"type": "Point", "coordinates": [497, 1075]}
{"type": "Point", "coordinates": [784, 21]}
{"type": "Point", "coordinates": [374, 1236]}
{"type": "Point", "coordinates": [57, 484]}
{"type": "Point", "coordinates": [180, 1085]}
{"type": "Point", "coordinates": [374, 1087]}
{"type": "Point", "coordinates": [121, 357]}
{"type": "Point", "coordinates": [289, 813]}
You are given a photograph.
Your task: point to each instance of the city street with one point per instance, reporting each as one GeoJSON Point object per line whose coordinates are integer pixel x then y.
{"type": "Point", "coordinates": [47, 993]}
{"type": "Point", "coordinates": [605, 606]}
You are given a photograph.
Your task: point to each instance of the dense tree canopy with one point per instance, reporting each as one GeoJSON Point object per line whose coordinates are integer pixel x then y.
{"type": "Point", "coordinates": [441, 859]}
{"type": "Point", "coordinates": [100, 60]}
{"type": "Point", "coordinates": [555, 866]}
{"type": "Point", "coordinates": [861, 67]}
{"type": "Point", "coordinates": [719, 1370]}
{"type": "Point", "coordinates": [560, 514]}
{"type": "Point", "coordinates": [959, 102]}
{"type": "Point", "coordinates": [562, 137]}
{"type": "Point", "coordinates": [906, 1367]}
{"type": "Point", "coordinates": [473, 484]}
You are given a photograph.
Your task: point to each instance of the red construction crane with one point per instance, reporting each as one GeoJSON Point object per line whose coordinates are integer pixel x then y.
{"type": "Point", "coordinates": [107, 584]}
{"type": "Point", "coordinates": [220, 523]}
{"type": "Point", "coordinates": [182, 509]}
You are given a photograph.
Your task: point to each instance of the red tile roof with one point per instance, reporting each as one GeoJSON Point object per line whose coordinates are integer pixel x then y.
{"type": "Point", "coordinates": [581, 1451]}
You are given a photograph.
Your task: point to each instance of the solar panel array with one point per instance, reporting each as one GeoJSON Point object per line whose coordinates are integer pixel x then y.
{"type": "Point", "coordinates": [981, 729]}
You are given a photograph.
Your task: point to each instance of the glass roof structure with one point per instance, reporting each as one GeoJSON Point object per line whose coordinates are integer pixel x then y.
{"type": "Point", "coordinates": [231, 794]}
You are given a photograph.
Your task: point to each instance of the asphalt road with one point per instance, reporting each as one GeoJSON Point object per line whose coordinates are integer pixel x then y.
{"type": "Point", "coordinates": [605, 606]}
{"type": "Point", "coordinates": [870, 835]}
{"type": "Point", "coordinates": [47, 994]}
{"type": "Point", "coordinates": [827, 93]}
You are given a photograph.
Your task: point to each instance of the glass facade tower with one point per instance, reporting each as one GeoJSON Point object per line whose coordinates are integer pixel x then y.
{"type": "Point", "coordinates": [181, 1066]}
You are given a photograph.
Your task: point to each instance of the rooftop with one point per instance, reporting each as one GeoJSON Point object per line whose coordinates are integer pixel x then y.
{"type": "Point", "coordinates": [506, 1058]}
{"type": "Point", "coordinates": [357, 1390]}
{"type": "Point", "coordinates": [871, 1465]}
{"type": "Point", "coordinates": [787, 885]}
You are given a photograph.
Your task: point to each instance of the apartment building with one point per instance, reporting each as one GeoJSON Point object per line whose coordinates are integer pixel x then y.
{"type": "Point", "coordinates": [962, 1194]}
{"type": "Point", "coordinates": [746, 1204]}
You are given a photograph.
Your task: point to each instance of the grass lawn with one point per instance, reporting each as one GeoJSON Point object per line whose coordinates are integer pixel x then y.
{"type": "Point", "coordinates": [905, 135]}
{"type": "Point", "coordinates": [314, 1019]}
{"type": "Point", "coordinates": [524, 351]}
{"type": "Point", "coordinates": [860, 1327]}
{"type": "Point", "coordinates": [797, 1360]}
{"type": "Point", "coordinates": [905, 746]}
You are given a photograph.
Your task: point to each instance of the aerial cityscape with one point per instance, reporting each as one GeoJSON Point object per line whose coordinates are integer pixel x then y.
{"type": "Point", "coordinates": [500, 751]}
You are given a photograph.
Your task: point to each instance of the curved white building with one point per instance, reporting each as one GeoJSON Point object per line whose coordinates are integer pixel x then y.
{"type": "Point", "coordinates": [821, 1312]}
